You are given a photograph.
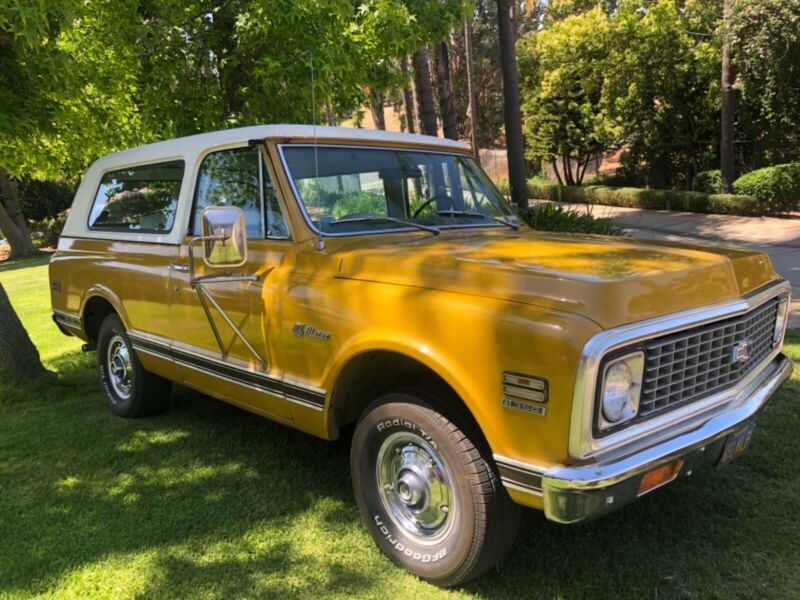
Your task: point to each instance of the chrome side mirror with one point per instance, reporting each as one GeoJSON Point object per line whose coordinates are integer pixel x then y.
{"type": "Point", "coordinates": [224, 230]}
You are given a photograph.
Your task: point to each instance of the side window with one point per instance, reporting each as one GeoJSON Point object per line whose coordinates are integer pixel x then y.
{"type": "Point", "coordinates": [276, 223]}
{"type": "Point", "coordinates": [141, 199]}
{"type": "Point", "coordinates": [232, 178]}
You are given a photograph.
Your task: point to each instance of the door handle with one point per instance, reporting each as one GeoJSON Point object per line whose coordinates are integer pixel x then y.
{"type": "Point", "coordinates": [183, 268]}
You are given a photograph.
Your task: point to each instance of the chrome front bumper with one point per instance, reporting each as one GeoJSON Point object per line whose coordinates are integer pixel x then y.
{"type": "Point", "coordinates": [573, 494]}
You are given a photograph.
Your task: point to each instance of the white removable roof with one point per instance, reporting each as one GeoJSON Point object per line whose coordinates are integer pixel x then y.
{"type": "Point", "coordinates": [191, 150]}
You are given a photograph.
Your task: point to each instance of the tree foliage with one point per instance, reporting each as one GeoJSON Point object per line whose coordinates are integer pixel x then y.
{"type": "Point", "coordinates": [663, 90]}
{"type": "Point", "coordinates": [80, 79]}
{"type": "Point", "coordinates": [564, 72]}
{"type": "Point", "coordinates": [641, 75]}
{"type": "Point", "coordinates": [62, 83]}
{"type": "Point", "coordinates": [765, 36]}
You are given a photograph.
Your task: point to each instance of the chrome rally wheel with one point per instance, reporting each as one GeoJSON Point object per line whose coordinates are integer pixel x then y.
{"type": "Point", "coordinates": [120, 368]}
{"type": "Point", "coordinates": [415, 487]}
{"type": "Point", "coordinates": [427, 490]}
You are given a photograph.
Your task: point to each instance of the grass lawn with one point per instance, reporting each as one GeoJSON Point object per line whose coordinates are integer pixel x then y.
{"type": "Point", "coordinates": [206, 500]}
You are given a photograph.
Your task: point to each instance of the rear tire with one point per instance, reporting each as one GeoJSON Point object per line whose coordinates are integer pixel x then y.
{"type": "Point", "coordinates": [130, 391]}
{"type": "Point", "coordinates": [427, 492]}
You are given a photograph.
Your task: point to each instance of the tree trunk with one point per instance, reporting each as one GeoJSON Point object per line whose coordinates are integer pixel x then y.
{"type": "Point", "coordinates": [567, 164]}
{"type": "Point", "coordinates": [12, 221]}
{"type": "Point", "coordinates": [727, 154]}
{"type": "Point", "coordinates": [473, 96]}
{"type": "Point", "coordinates": [417, 100]}
{"type": "Point", "coordinates": [376, 108]}
{"type": "Point", "coordinates": [422, 77]}
{"type": "Point", "coordinates": [445, 91]}
{"type": "Point", "coordinates": [329, 113]}
{"type": "Point", "coordinates": [232, 74]}
{"type": "Point", "coordinates": [408, 99]}
{"type": "Point", "coordinates": [19, 359]}
{"type": "Point", "coordinates": [554, 164]}
{"type": "Point", "coordinates": [583, 168]}
{"type": "Point", "coordinates": [511, 104]}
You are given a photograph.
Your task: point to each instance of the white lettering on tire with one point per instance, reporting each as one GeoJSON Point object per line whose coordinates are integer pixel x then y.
{"type": "Point", "coordinates": [409, 552]}
{"type": "Point", "coordinates": [406, 424]}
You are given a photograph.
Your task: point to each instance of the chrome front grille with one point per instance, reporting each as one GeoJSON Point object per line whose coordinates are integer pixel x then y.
{"type": "Point", "coordinates": [692, 364]}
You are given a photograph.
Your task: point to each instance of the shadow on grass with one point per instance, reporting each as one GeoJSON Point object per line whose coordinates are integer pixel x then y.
{"type": "Point", "coordinates": [218, 502]}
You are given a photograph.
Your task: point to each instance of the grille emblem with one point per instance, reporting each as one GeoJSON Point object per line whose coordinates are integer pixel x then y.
{"type": "Point", "coordinates": [740, 353]}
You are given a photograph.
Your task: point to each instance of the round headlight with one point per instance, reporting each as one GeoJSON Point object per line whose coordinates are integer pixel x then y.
{"type": "Point", "coordinates": [619, 397]}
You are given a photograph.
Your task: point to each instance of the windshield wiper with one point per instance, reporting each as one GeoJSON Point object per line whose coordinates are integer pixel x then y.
{"type": "Point", "coordinates": [378, 218]}
{"type": "Point", "coordinates": [474, 214]}
{"type": "Point", "coordinates": [512, 224]}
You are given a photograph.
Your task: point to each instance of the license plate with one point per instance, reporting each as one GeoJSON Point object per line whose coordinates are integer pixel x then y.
{"type": "Point", "coordinates": [737, 443]}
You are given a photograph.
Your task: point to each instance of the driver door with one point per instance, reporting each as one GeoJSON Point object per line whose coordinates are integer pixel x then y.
{"type": "Point", "coordinates": [247, 374]}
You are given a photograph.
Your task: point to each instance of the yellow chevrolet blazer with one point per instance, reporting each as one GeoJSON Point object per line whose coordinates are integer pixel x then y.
{"type": "Point", "coordinates": [327, 277]}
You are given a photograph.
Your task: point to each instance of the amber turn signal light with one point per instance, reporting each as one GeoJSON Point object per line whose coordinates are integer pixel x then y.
{"type": "Point", "coordinates": [660, 476]}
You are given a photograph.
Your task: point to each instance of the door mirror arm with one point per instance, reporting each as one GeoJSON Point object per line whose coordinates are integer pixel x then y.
{"type": "Point", "coordinates": [220, 225]}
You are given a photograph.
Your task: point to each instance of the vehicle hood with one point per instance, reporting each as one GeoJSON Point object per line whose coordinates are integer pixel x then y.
{"type": "Point", "coordinates": [612, 281]}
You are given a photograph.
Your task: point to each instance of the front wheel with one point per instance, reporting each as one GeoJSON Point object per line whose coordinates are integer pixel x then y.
{"type": "Point", "coordinates": [429, 496]}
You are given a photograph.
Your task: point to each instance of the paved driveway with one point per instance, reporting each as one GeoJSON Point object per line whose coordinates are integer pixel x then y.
{"type": "Point", "coordinates": [780, 238]}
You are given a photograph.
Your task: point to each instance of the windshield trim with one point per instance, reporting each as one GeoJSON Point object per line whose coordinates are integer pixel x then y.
{"type": "Point", "coordinates": [400, 228]}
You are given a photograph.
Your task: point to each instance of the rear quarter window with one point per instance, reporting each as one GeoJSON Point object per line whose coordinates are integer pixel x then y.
{"type": "Point", "coordinates": [140, 199]}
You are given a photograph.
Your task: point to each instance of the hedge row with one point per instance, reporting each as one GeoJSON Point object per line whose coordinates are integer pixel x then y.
{"type": "Point", "coordinates": [776, 188]}
{"type": "Point", "coordinates": [730, 204]}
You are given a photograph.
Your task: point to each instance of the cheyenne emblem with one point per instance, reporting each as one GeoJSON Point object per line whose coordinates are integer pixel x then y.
{"type": "Point", "coordinates": [740, 353]}
{"type": "Point", "coordinates": [303, 330]}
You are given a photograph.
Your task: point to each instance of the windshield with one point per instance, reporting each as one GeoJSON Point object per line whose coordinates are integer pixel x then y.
{"type": "Point", "coordinates": [348, 190]}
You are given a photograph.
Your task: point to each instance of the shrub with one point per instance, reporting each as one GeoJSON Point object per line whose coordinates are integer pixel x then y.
{"type": "Point", "coordinates": [733, 204]}
{"type": "Point", "coordinates": [709, 182]}
{"type": "Point", "coordinates": [543, 189]}
{"type": "Point", "coordinates": [42, 200]}
{"type": "Point", "coordinates": [50, 229]}
{"type": "Point", "coordinates": [649, 199]}
{"type": "Point", "coordinates": [546, 216]}
{"type": "Point", "coordinates": [777, 188]}
{"type": "Point", "coordinates": [596, 180]}
{"type": "Point", "coordinates": [352, 203]}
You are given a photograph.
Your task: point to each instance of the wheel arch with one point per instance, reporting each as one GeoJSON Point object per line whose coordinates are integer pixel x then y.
{"type": "Point", "coordinates": [378, 369]}
{"type": "Point", "coordinates": [97, 304]}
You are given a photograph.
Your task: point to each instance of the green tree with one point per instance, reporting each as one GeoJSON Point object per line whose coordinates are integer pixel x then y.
{"type": "Point", "coordinates": [487, 75]}
{"type": "Point", "coordinates": [563, 73]}
{"type": "Point", "coordinates": [662, 88]}
{"type": "Point", "coordinates": [558, 10]}
{"type": "Point", "coordinates": [765, 39]}
{"type": "Point", "coordinates": [60, 81]}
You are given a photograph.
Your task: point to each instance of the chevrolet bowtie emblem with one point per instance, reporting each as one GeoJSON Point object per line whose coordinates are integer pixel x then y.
{"type": "Point", "coordinates": [740, 353]}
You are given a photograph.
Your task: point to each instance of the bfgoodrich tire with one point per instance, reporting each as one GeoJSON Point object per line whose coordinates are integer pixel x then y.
{"type": "Point", "coordinates": [427, 492]}
{"type": "Point", "coordinates": [129, 390]}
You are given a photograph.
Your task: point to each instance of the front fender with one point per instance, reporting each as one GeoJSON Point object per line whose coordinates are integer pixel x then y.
{"type": "Point", "coordinates": [469, 342]}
